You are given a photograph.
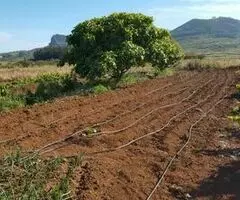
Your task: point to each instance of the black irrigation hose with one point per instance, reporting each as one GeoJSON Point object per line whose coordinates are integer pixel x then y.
{"type": "Point", "coordinates": [151, 112]}
{"type": "Point", "coordinates": [151, 92]}
{"type": "Point", "coordinates": [100, 123]}
{"type": "Point", "coordinates": [134, 109]}
{"type": "Point", "coordinates": [95, 125]}
{"type": "Point", "coordinates": [154, 132]}
{"type": "Point", "coordinates": [166, 106]}
{"type": "Point", "coordinates": [82, 130]}
{"type": "Point", "coordinates": [183, 146]}
{"type": "Point", "coordinates": [147, 94]}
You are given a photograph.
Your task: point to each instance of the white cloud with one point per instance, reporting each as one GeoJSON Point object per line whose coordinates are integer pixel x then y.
{"type": "Point", "coordinates": [171, 17]}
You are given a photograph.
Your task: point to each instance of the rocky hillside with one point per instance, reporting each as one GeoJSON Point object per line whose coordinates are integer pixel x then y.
{"type": "Point", "coordinates": [58, 40]}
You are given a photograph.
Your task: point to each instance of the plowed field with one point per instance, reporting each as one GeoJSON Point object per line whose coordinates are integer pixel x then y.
{"type": "Point", "coordinates": [169, 133]}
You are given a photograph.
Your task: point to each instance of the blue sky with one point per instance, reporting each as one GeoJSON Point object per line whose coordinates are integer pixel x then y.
{"type": "Point", "coordinates": [27, 24]}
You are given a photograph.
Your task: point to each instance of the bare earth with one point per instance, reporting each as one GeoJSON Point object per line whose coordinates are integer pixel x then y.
{"type": "Point", "coordinates": [131, 134]}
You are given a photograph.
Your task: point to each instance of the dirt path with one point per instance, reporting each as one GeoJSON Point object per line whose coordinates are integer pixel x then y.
{"type": "Point", "coordinates": [130, 135]}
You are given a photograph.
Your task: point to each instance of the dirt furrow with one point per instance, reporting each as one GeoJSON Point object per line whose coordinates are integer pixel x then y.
{"type": "Point", "coordinates": [137, 136]}
{"type": "Point", "coordinates": [135, 128]}
{"type": "Point", "coordinates": [133, 168]}
{"type": "Point", "coordinates": [73, 125]}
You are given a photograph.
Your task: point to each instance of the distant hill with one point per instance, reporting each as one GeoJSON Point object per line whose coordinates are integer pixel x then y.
{"type": "Point", "coordinates": [17, 55]}
{"type": "Point", "coordinates": [58, 40]}
{"type": "Point", "coordinates": [216, 35]}
{"type": "Point", "coordinates": [208, 36]}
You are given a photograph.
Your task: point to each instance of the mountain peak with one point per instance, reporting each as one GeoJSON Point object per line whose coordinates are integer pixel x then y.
{"type": "Point", "coordinates": [58, 40]}
{"type": "Point", "coordinates": [215, 35]}
{"type": "Point", "coordinates": [217, 27]}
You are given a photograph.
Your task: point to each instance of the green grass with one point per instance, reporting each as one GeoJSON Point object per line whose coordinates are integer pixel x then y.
{"type": "Point", "coordinates": [48, 87]}
{"type": "Point", "coordinates": [209, 45]}
{"type": "Point", "coordinates": [131, 78]}
{"type": "Point", "coordinates": [45, 87]}
{"type": "Point", "coordinates": [36, 178]}
{"type": "Point", "coordinates": [11, 102]}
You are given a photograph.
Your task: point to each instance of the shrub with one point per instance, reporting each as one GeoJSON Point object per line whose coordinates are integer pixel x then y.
{"type": "Point", "coordinates": [49, 87]}
{"type": "Point", "coordinates": [23, 63]}
{"type": "Point", "coordinates": [98, 89]}
{"type": "Point", "coordinates": [107, 47]}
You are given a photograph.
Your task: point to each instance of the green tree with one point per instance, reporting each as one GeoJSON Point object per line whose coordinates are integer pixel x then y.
{"type": "Point", "coordinates": [107, 47]}
{"type": "Point", "coordinates": [49, 53]}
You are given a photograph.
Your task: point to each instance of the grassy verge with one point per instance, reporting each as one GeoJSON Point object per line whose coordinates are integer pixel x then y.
{"type": "Point", "coordinates": [36, 178]}
{"type": "Point", "coordinates": [28, 91]}
{"type": "Point", "coordinates": [9, 74]}
{"type": "Point", "coordinates": [47, 86]}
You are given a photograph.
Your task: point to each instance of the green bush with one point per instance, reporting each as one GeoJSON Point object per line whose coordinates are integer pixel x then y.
{"type": "Point", "coordinates": [107, 47]}
{"type": "Point", "coordinates": [49, 87]}
{"type": "Point", "coordinates": [98, 89]}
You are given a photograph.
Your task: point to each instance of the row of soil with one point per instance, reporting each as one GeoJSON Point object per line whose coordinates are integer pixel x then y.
{"type": "Point", "coordinates": [139, 129]}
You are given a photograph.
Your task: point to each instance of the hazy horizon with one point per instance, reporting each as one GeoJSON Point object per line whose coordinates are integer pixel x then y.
{"type": "Point", "coordinates": [26, 24]}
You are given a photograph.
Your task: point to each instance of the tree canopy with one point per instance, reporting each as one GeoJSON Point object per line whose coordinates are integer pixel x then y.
{"type": "Point", "coordinates": [109, 46]}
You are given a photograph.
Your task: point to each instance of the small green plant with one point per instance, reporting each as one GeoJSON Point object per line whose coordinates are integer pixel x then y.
{"type": "Point", "coordinates": [128, 79]}
{"type": "Point", "coordinates": [36, 178]}
{"type": "Point", "coordinates": [235, 113]}
{"type": "Point", "coordinates": [98, 89]}
{"type": "Point", "coordinates": [4, 90]}
{"type": "Point", "coordinates": [90, 131]}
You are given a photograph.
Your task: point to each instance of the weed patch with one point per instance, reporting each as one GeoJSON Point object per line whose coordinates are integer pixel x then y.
{"type": "Point", "coordinates": [11, 102]}
{"type": "Point", "coordinates": [36, 178]}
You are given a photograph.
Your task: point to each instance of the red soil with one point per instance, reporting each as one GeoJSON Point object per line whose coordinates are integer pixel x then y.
{"type": "Point", "coordinates": [160, 112]}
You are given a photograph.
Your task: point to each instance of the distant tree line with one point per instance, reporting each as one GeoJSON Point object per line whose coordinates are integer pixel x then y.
{"type": "Point", "coordinates": [49, 53]}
